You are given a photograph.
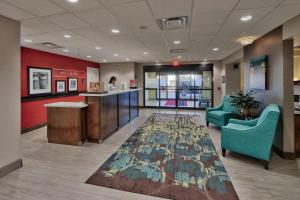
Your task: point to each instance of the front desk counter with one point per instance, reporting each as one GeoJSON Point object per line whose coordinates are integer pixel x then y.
{"type": "Point", "coordinates": [108, 112]}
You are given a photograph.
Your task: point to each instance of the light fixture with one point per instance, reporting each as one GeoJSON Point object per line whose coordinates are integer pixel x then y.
{"type": "Point", "coordinates": [27, 40]}
{"type": "Point", "coordinates": [246, 18]}
{"type": "Point", "coordinates": [67, 36]}
{"type": "Point", "coordinates": [157, 61]}
{"type": "Point", "coordinates": [158, 64]}
{"type": "Point", "coordinates": [177, 42]}
{"type": "Point", "coordinates": [88, 56]}
{"type": "Point", "coordinates": [179, 57]}
{"type": "Point", "coordinates": [246, 40]}
{"type": "Point", "coordinates": [66, 50]}
{"type": "Point", "coordinates": [216, 49]}
{"type": "Point", "coordinates": [97, 48]}
{"type": "Point", "coordinates": [127, 59]}
{"type": "Point", "coordinates": [145, 53]}
{"type": "Point", "coordinates": [104, 60]}
{"type": "Point", "coordinates": [116, 55]}
{"type": "Point", "coordinates": [115, 30]}
{"type": "Point", "coordinates": [73, 1]}
{"type": "Point", "coordinates": [204, 59]}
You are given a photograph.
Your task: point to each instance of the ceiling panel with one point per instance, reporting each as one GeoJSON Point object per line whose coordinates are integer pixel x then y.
{"type": "Point", "coordinates": [81, 5]}
{"type": "Point", "coordinates": [234, 26]}
{"type": "Point", "coordinates": [38, 7]}
{"type": "Point", "coordinates": [67, 21]}
{"type": "Point", "coordinates": [214, 5]}
{"type": "Point", "coordinates": [97, 17]}
{"type": "Point", "coordinates": [145, 27]}
{"type": "Point", "coordinates": [291, 2]}
{"type": "Point", "coordinates": [134, 11]}
{"type": "Point", "coordinates": [169, 8]}
{"type": "Point", "coordinates": [40, 25]}
{"type": "Point", "coordinates": [116, 2]}
{"type": "Point", "coordinates": [246, 4]}
{"type": "Point", "coordinates": [13, 12]}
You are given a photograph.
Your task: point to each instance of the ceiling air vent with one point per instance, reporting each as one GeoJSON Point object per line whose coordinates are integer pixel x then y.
{"type": "Point", "coordinates": [177, 51]}
{"type": "Point", "coordinates": [50, 45]}
{"type": "Point", "coordinates": [173, 23]}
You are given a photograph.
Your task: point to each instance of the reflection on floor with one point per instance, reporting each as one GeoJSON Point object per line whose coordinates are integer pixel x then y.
{"type": "Point", "coordinates": [53, 171]}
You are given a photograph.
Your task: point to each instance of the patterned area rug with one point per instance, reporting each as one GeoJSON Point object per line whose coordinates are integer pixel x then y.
{"type": "Point", "coordinates": [170, 156]}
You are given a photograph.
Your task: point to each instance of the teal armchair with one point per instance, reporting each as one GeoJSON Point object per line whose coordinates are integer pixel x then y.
{"type": "Point", "coordinates": [221, 114]}
{"type": "Point", "coordinates": [252, 138]}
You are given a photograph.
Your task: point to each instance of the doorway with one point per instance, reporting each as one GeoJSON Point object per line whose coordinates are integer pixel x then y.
{"type": "Point", "coordinates": [187, 87]}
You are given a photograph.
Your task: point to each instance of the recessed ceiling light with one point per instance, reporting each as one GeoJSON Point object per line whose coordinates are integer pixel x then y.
{"type": "Point", "coordinates": [73, 1]}
{"type": "Point", "coordinates": [158, 64]}
{"type": "Point", "coordinates": [127, 59]}
{"type": "Point", "coordinates": [27, 40]}
{"type": "Point", "coordinates": [115, 54]}
{"type": "Point", "coordinates": [145, 53]}
{"type": "Point", "coordinates": [115, 30]}
{"type": "Point", "coordinates": [246, 18]}
{"type": "Point", "coordinates": [66, 50]}
{"type": "Point", "coordinates": [67, 36]}
{"type": "Point", "coordinates": [247, 40]}
{"type": "Point", "coordinates": [177, 42]}
{"type": "Point", "coordinates": [104, 60]}
{"type": "Point", "coordinates": [97, 48]}
{"type": "Point", "coordinates": [216, 49]}
{"type": "Point", "coordinates": [88, 56]}
{"type": "Point", "coordinates": [204, 59]}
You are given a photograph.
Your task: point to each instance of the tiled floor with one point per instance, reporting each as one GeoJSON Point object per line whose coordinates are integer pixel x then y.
{"type": "Point", "coordinates": [58, 172]}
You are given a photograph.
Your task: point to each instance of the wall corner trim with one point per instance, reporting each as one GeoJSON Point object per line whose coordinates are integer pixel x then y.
{"type": "Point", "coordinates": [5, 170]}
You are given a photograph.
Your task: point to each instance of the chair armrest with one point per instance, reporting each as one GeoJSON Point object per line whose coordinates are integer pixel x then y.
{"type": "Point", "coordinates": [219, 107]}
{"type": "Point", "coordinates": [244, 122]}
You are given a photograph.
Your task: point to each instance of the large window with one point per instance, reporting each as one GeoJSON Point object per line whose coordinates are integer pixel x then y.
{"type": "Point", "coordinates": [169, 87]}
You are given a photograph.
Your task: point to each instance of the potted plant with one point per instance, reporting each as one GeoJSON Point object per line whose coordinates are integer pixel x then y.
{"type": "Point", "coordinates": [244, 102]}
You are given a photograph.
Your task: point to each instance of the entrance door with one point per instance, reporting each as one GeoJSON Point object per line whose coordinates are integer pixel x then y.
{"type": "Point", "coordinates": [167, 89]}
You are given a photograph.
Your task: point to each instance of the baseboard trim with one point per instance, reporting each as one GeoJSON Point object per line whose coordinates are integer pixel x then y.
{"type": "Point", "coordinates": [284, 155]}
{"type": "Point", "coordinates": [25, 130]}
{"type": "Point", "coordinates": [10, 167]}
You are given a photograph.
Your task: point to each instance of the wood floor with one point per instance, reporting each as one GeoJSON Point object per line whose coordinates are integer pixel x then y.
{"type": "Point", "coordinates": [58, 172]}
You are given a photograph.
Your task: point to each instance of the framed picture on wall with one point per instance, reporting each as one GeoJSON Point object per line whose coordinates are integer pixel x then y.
{"type": "Point", "coordinates": [60, 86]}
{"type": "Point", "coordinates": [39, 81]}
{"type": "Point", "coordinates": [73, 84]}
{"type": "Point", "coordinates": [258, 73]}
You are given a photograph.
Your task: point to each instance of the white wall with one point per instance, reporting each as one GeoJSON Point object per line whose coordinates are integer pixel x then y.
{"type": "Point", "coordinates": [123, 72]}
{"type": "Point", "coordinates": [10, 101]}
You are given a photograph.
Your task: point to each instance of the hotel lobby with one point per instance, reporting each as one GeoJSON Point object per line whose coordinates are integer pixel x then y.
{"type": "Point", "coordinates": [150, 99]}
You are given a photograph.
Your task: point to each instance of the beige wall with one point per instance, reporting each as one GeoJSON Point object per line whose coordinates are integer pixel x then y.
{"type": "Point", "coordinates": [297, 68]}
{"type": "Point", "coordinates": [123, 72]}
{"type": "Point", "coordinates": [10, 90]}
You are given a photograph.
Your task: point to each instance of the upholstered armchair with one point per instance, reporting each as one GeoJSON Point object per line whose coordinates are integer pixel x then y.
{"type": "Point", "coordinates": [252, 138]}
{"type": "Point", "coordinates": [221, 114]}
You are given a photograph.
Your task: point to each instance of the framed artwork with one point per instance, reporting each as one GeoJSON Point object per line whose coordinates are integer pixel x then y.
{"type": "Point", "coordinates": [258, 73]}
{"type": "Point", "coordinates": [39, 81]}
{"type": "Point", "coordinates": [73, 84]}
{"type": "Point", "coordinates": [60, 86]}
{"type": "Point", "coordinates": [223, 79]}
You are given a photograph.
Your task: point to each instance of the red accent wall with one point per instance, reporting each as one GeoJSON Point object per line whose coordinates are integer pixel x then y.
{"type": "Point", "coordinates": [33, 113]}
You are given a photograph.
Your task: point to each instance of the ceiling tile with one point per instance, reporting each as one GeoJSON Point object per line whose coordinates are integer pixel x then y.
{"type": "Point", "coordinates": [291, 2]}
{"type": "Point", "coordinates": [67, 21]}
{"type": "Point", "coordinates": [170, 8]}
{"type": "Point", "coordinates": [233, 25]}
{"type": "Point", "coordinates": [13, 12]}
{"type": "Point", "coordinates": [116, 2]}
{"type": "Point", "coordinates": [38, 7]}
{"type": "Point", "coordinates": [246, 4]}
{"type": "Point", "coordinates": [135, 11]}
{"type": "Point", "coordinates": [214, 5]}
{"type": "Point", "coordinates": [40, 25]}
{"type": "Point", "coordinates": [80, 5]}
{"type": "Point", "coordinates": [97, 17]}
{"type": "Point", "coordinates": [145, 27]}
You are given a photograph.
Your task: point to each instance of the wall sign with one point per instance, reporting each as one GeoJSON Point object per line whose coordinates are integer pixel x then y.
{"type": "Point", "coordinates": [39, 81]}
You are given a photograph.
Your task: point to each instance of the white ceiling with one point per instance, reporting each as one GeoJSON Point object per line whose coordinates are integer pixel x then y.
{"type": "Point", "coordinates": [213, 23]}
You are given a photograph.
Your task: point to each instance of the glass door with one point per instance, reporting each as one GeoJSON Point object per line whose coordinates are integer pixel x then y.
{"type": "Point", "coordinates": [151, 89]}
{"type": "Point", "coordinates": [186, 94]}
{"type": "Point", "coordinates": [167, 89]}
{"type": "Point", "coordinates": [203, 89]}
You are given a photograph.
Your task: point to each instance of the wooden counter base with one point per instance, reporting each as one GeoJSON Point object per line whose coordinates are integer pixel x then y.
{"type": "Point", "coordinates": [106, 114]}
{"type": "Point", "coordinates": [66, 125]}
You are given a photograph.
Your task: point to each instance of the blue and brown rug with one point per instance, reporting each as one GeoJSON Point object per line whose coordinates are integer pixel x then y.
{"type": "Point", "coordinates": [170, 156]}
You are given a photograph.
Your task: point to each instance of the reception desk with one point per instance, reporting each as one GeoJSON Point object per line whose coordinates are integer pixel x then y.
{"type": "Point", "coordinates": [108, 112]}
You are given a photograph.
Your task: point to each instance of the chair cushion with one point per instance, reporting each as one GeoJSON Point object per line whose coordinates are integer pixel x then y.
{"type": "Point", "coordinates": [227, 105]}
{"type": "Point", "coordinates": [216, 114]}
{"type": "Point", "coordinates": [238, 126]}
